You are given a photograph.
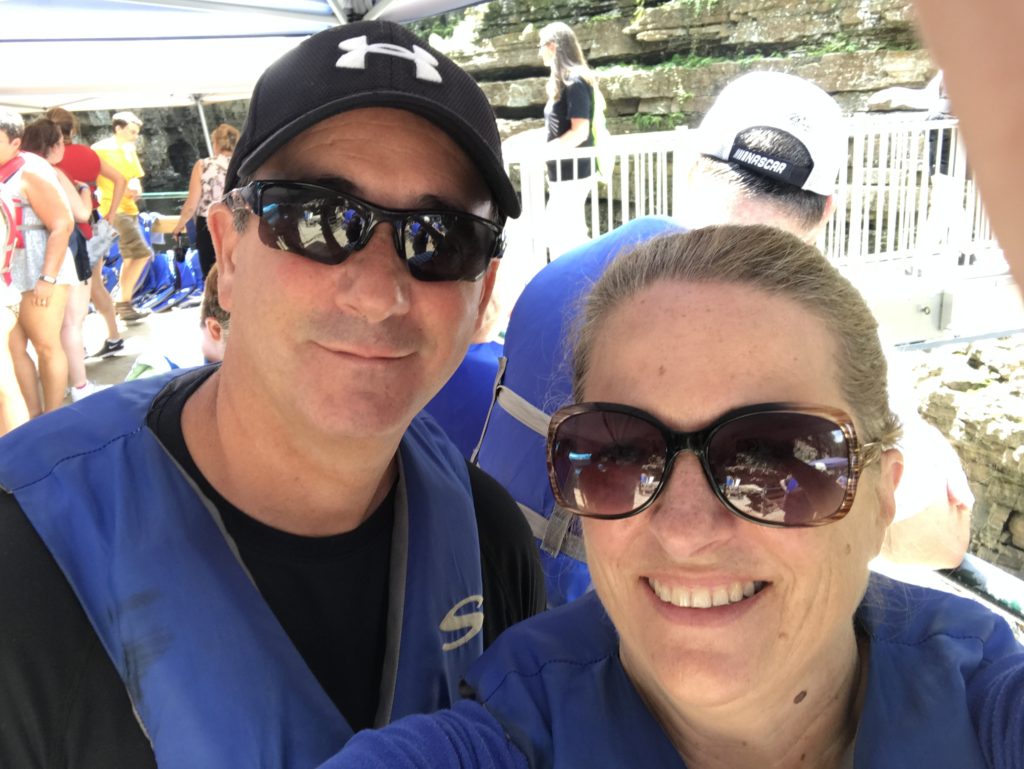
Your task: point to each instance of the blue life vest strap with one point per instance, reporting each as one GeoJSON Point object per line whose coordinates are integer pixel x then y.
{"type": "Point", "coordinates": [212, 675]}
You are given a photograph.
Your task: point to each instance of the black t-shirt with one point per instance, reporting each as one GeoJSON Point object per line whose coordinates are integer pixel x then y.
{"type": "Point", "coordinates": [576, 101]}
{"type": "Point", "coordinates": [62, 703]}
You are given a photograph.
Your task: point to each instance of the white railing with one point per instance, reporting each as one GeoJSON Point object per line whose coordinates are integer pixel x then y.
{"type": "Point", "coordinates": [908, 194]}
{"type": "Point", "coordinates": [894, 202]}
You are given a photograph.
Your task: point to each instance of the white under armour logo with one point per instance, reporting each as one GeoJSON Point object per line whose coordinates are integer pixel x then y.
{"type": "Point", "coordinates": [357, 48]}
{"type": "Point", "coordinates": [472, 622]}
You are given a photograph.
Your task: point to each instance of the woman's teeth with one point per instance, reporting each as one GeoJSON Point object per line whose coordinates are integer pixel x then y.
{"type": "Point", "coordinates": [704, 597]}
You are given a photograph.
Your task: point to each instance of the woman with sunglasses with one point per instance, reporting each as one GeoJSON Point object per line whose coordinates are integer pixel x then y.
{"type": "Point", "coordinates": [729, 458]}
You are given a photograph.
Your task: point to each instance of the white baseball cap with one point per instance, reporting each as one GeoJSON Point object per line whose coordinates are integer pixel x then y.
{"type": "Point", "coordinates": [786, 103]}
{"type": "Point", "coordinates": [128, 117]}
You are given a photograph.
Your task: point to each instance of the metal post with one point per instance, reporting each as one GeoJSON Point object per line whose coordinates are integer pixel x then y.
{"type": "Point", "coordinates": [198, 99]}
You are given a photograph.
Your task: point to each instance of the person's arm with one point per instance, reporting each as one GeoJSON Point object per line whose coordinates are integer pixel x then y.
{"type": "Point", "coordinates": [48, 200]}
{"type": "Point", "coordinates": [133, 191]}
{"type": "Point", "coordinates": [188, 209]}
{"type": "Point", "coordinates": [118, 180]}
{"type": "Point", "coordinates": [466, 737]}
{"type": "Point", "coordinates": [78, 195]}
{"type": "Point", "coordinates": [578, 132]}
{"type": "Point", "coordinates": [977, 45]}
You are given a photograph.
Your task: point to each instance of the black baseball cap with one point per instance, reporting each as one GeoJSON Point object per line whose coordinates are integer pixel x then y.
{"type": "Point", "coordinates": [370, 64]}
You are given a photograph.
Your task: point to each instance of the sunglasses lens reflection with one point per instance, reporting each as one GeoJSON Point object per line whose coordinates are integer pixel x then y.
{"type": "Point", "coordinates": [447, 246]}
{"type": "Point", "coordinates": [779, 467]}
{"type": "Point", "coordinates": [319, 227]}
{"type": "Point", "coordinates": [607, 463]}
{"type": "Point", "coordinates": [328, 228]}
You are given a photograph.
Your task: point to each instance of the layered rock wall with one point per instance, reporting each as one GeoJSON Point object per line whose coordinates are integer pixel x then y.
{"type": "Point", "coordinates": [661, 63]}
{"type": "Point", "coordinates": [975, 396]}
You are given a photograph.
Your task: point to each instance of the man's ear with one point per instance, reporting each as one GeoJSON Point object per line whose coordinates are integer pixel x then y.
{"type": "Point", "coordinates": [213, 327]}
{"type": "Point", "coordinates": [220, 221]}
{"type": "Point", "coordinates": [487, 288]}
{"type": "Point", "coordinates": [811, 235]}
{"type": "Point", "coordinates": [830, 206]}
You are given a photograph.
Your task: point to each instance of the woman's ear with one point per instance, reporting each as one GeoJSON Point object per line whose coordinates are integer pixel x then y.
{"type": "Point", "coordinates": [890, 473]}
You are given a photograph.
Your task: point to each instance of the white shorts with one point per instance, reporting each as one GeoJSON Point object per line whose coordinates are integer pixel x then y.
{"type": "Point", "coordinates": [103, 237]}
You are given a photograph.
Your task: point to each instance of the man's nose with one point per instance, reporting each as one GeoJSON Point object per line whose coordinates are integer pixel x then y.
{"type": "Point", "coordinates": [374, 282]}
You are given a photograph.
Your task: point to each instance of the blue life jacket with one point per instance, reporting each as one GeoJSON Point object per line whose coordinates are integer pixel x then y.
{"type": "Point", "coordinates": [535, 382]}
{"type": "Point", "coordinates": [945, 688]}
{"type": "Point", "coordinates": [214, 678]}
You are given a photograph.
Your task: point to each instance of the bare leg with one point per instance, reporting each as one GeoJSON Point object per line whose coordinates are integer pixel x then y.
{"type": "Point", "coordinates": [13, 411]}
{"type": "Point", "coordinates": [131, 269]}
{"type": "Point", "coordinates": [71, 333]}
{"type": "Point", "coordinates": [102, 302]}
{"type": "Point", "coordinates": [25, 371]}
{"type": "Point", "coordinates": [42, 327]}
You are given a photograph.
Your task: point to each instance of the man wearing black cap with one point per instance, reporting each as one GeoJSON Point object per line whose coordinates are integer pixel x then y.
{"type": "Point", "coordinates": [281, 551]}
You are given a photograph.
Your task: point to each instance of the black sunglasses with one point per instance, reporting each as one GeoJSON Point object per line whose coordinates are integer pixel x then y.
{"type": "Point", "coordinates": [328, 226]}
{"type": "Point", "coordinates": [778, 464]}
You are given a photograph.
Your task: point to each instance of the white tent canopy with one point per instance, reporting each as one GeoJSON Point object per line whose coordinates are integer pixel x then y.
{"type": "Point", "coordinates": [125, 54]}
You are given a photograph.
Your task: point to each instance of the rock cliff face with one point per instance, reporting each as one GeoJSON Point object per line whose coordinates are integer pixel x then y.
{"type": "Point", "coordinates": [170, 143]}
{"type": "Point", "coordinates": [661, 63]}
{"type": "Point", "coordinates": [975, 396]}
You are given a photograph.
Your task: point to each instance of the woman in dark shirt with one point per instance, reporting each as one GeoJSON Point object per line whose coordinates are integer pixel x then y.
{"type": "Point", "coordinates": [569, 114]}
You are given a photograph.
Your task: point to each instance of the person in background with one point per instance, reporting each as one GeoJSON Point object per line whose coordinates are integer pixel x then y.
{"type": "Point", "coordinates": [768, 152]}
{"type": "Point", "coordinates": [206, 187]}
{"type": "Point", "coordinates": [243, 564]}
{"type": "Point", "coordinates": [119, 151]}
{"type": "Point", "coordinates": [43, 269]}
{"type": "Point", "coordinates": [569, 114]}
{"type": "Point", "coordinates": [82, 164]}
{"type": "Point", "coordinates": [13, 411]}
{"type": "Point", "coordinates": [732, 487]}
{"type": "Point", "coordinates": [214, 322]}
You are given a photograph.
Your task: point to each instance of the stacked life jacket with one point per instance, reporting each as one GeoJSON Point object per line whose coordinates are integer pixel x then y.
{"type": "Point", "coordinates": [534, 382]}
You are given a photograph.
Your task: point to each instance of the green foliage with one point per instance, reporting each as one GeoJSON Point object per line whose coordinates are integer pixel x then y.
{"type": "Point", "coordinates": [443, 24]}
{"type": "Point", "coordinates": [693, 61]}
{"type": "Point", "coordinates": [697, 6]}
{"type": "Point", "coordinates": [615, 13]}
{"type": "Point", "coordinates": [839, 44]}
{"type": "Point", "coordinates": [645, 121]}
